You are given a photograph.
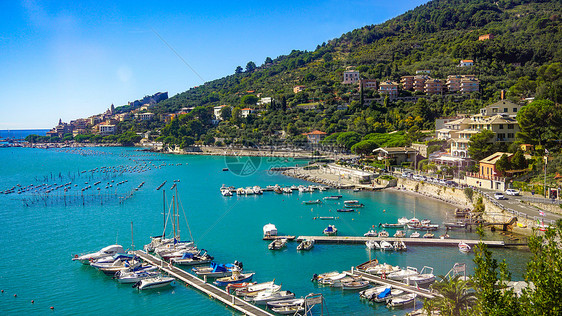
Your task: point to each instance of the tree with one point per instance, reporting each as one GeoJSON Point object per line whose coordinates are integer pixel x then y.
{"type": "Point", "coordinates": [480, 145]}
{"type": "Point", "coordinates": [503, 164]}
{"type": "Point", "coordinates": [518, 161]}
{"type": "Point", "coordinates": [226, 113]}
{"type": "Point", "coordinates": [250, 66]}
{"type": "Point", "coordinates": [539, 121]}
{"type": "Point", "coordinates": [249, 99]}
{"type": "Point", "coordinates": [364, 147]}
{"type": "Point", "coordinates": [456, 296]}
{"type": "Point", "coordinates": [268, 60]}
{"type": "Point", "coordinates": [238, 70]}
{"type": "Point", "coordinates": [348, 139]}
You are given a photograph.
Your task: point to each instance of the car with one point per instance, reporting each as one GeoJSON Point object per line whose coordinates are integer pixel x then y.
{"type": "Point", "coordinates": [499, 196]}
{"type": "Point", "coordinates": [511, 192]}
{"type": "Point", "coordinates": [443, 182]}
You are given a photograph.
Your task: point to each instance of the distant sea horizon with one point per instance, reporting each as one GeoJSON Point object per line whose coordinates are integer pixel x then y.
{"type": "Point", "coordinates": [21, 133]}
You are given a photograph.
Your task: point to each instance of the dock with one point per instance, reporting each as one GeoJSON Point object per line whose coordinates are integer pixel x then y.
{"type": "Point", "coordinates": [209, 289]}
{"type": "Point", "coordinates": [408, 241]}
{"type": "Point", "coordinates": [395, 284]}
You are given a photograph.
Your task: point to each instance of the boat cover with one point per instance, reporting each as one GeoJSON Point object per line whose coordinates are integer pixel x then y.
{"type": "Point", "coordinates": [384, 293]}
{"type": "Point", "coordinates": [187, 255]}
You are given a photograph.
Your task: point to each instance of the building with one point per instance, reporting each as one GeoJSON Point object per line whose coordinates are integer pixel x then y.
{"type": "Point", "coordinates": [350, 77]}
{"type": "Point", "coordinates": [466, 63]}
{"type": "Point", "coordinates": [297, 89]}
{"type": "Point", "coordinates": [433, 86]}
{"type": "Point", "coordinates": [217, 111]}
{"type": "Point", "coordinates": [265, 101]}
{"type": "Point", "coordinates": [469, 85]}
{"type": "Point", "coordinates": [106, 129]}
{"type": "Point", "coordinates": [419, 82]}
{"type": "Point", "coordinates": [487, 168]}
{"type": "Point", "coordinates": [407, 82]}
{"type": "Point", "coordinates": [396, 155]}
{"type": "Point", "coordinates": [502, 106]}
{"type": "Point", "coordinates": [424, 71]}
{"type": "Point", "coordinates": [369, 84]}
{"type": "Point", "coordinates": [315, 136]}
{"type": "Point", "coordinates": [485, 37]}
{"type": "Point", "coordinates": [60, 130]}
{"type": "Point", "coordinates": [389, 88]}
{"type": "Point", "coordinates": [147, 116]}
{"type": "Point", "coordinates": [246, 111]}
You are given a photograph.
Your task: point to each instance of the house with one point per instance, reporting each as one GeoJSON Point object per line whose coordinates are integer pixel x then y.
{"type": "Point", "coordinates": [350, 77]}
{"type": "Point", "coordinates": [147, 116]}
{"type": "Point", "coordinates": [502, 106]}
{"type": "Point", "coordinates": [369, 84]}
{"type": "Point", "coordinates": [469, 85]}
{"type": "Point", "coordinates": [265, 101]}
{"type": "Point", "coordinates": [488, 169]}
{"type": "Point", "coordinates": [106, 129]}
{"type": "Point", "coordinates": [297, 89]}
{"type": "Point", "coordinates": [407, 82]}
{"type": "Point", "coordinates": [396, 155]}
{"type": "Point", "coordinates": [217, 111]}
{"type": "Point", "coordinates": [389, 88]}
{"type": "Point", "coordinates": [466, 63]}
{"type": "Point", "coordinates": [433, 86]}
{"type": "Point", "coordinates": [246, 111]}
{"type": "Point", "coordinates": [315, 136]}
{"type": "Point", "coordinates": [485, 37]}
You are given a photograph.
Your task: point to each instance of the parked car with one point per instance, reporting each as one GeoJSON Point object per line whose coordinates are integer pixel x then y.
{"type": "Point", "coordinates": [511, 192]}
{"type": "Point", "coordinates": [499, 196]}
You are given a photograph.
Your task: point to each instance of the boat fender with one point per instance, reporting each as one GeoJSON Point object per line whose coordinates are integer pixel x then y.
{"type": "Point", "coordinates": [137, 284]}
{"type": "Point", "coordinates": [75, 256]}
{"type": "Point", "coordinates": [314, 277]}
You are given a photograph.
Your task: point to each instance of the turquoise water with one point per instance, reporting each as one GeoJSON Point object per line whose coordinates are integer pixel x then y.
{"type": "Point", "coordinates": [21, 133]}
{"type": "Point", "coordinates": [40, 233]}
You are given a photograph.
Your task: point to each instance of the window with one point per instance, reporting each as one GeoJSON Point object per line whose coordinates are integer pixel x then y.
{"type": "Point", "coordinates": [515, 110]}
{"type": "Point", "coordinates": [509, 126]}
{"type": "Point", "coordinates": [505, 110]}
{"type": "Point", "coordinates": [501, 126]}
{"type": "Point", "coordinates": [495, 110]}
{"type": "Point", "coordinates": [509, 135]}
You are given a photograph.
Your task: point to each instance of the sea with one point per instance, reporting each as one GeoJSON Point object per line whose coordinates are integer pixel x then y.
{"type": "Point", "coordinates": [21, 133]}
{"type": "Point", "coordinates": [72, 201]}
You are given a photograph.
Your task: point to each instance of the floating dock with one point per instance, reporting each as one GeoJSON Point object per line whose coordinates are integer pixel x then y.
{"type": "Point", "coordinates": [406, 240]}
{"type": "Point", "coordinates": [211, 290]}
{"type": "Point", "coordinates": [395, 284]}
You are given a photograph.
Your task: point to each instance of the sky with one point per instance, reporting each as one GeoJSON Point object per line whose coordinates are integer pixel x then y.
{"type": "Point", "coordinates": [73, 59]}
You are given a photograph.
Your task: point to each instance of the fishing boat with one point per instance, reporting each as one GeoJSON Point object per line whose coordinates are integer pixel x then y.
{"type": "Point", "coordinates": [399, 234]}
{"type": "Point", "coordinates": [383, 234]}
{"type": "Point", "coordinates": [385, 245]}
{"type": "Point", "coordinates": [424, 278]}
{"type": "Point", "coordinates": [153, 283]}
{"type": "Point", "coordinates": [104, 252]}
{"type": "Point", "coordinates": [355, 285]}
{"type": "Point", "coordinates": [399, 246]}
{"type": "Point", "coordinates": [277, 244]}
{"type": "Point", "coordinates": [331, 230]}
{"type": "Point", "coordinates": [236, 277]}
{"type": "Point", "coordinates": [387, 294]}
{"type": "Point", "coordinates": [306, 244]}
{"type": "Point", "coordinates": [464, 247]}
{"type": "Point", "coordinates": [254, 289]}
{"type": "Point", "coordinates": [313, 202]}
{"type": "Point", "coordinates": [393, 225]}
{"type": "Point", "coordinates": [269, 230]}
{"type": "Point", "coordinates": [401, 300]}
{"type": "Point", "coordinates": [371, 244]}
{"type": "Point", "coordinates": [190, 259]}
{"type": "Point", "coordinates": [415, 235]}
{"type": "Point", "coordinates": [428, 235]}
{"type": "Point", "coordinates": [371, 233]}
{"type": "Point", "coordinates": [216, 270]}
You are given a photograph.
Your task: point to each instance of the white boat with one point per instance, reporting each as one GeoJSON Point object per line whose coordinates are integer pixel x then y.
{"type": "Point", "coordinates": [134, 276]}
{"type": "Point", "coordinates": [269, 230]}
{"type": "Point", "coordinates": [382, 268]}
{"type": "Point", "coordinates": [266, 296]}
{"type": "Point", "coordinates": [320, 277]}
{"type": "Point", "coordinates": [104, 252]}
{"type": "Point", "coordinates": [282, 303]}
{"type": "Point", "coordinates": [370, 293]}
{"type": "Point", "coordinates": [371, 233]}
{"type": "Point", "coordinates": [399, 245]}
{"type": "Point", "coordinates": [385, 245]}
{"type": "Point", "coordinates": [154, 282]}
{"type": "Point", "coordinates": [216, 270]}
{"type": "Point", "coordinates": [236, 277]}
{"type": "Point", "coordinates": [402, 274]}
{"type": "Point", "coordinates": [383, 234]}
{"type": "Point", "coordinates": [331, 279]}
{"type": "Point", "coordinates": [371, 244]}
{"type": "Point", "coordinates": [287, 190]}
{"type": "Point", "coordinates": [277, 244]}
{"type": "Point", "coordinates": [331, 230]}
{"type": "Point", "coordinates": [355, 285]}
{"type": "Point", "coordinates": [423, 278]}
{"type": "Point", "coordinates": [399, 234]}
{"type": "Point", "coordinates": [464, 247]}
{"type": "Point", "coordinates": [425, 222]}
{"type": "Point", "coordinates": [306, 244]}
{"type": "Point", "coordinates": [254, 289]}
{"type": "Point", "coordinates": [226, 193]}
{"type": "Point", "coordinates": [403, 221]}
{"type": "Point", "coordinates": [289, 310]}
{"type": "Point", "coordinates": [401, 300]}
{"type": "Point", "coordinates": [387, 294]}
{"type": "Point", "coordinates": [257, 190]}
{"type": "Point", "coordinates": [240, 191]}
{"type": "Point", "coordinates": [415, 235]}
{"type": "Point", "coordinates": [190, 259]}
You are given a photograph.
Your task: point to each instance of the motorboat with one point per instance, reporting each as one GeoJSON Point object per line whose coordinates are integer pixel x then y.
{"type": "Point", "coordinates": [270, 295]}
{"type": "Point", "coordinates": [306, 244]}
{"type": "Point", "coordinates": [423, 227]}
{"type": "Point", "coordinates": [371, 233]}
{"type": "Point", "coordinates": [387, 294]}
{"type": "Point", "coordinates": [383, 234]}
{"type": "Point", "coordinates": [415, 235]}
{"type": "Point", "coordinates": [464, 247]}
{"type": "Point", "coordinates": [277, 244]}
{"type": "Point", "coordinates": [313, 202]}
{"type": "Point", "coordinates": [355, 285]}
{"type": "Point", "coordinates": [401, 300]}
{"type": "Point", "coordinates": [104, 252]}
{"type": "Point", "coordinates": [289, 302]}
{"type": "Point", "coordinates": [425, 222]}
{"type": "Point", "coordinates": [402, 274]}
{"type": "Point", "coordinates": [236, 277]}
{"type": "Point", "coordinates": [345, 210]}
{"type": "Point", "coordinates": [269, 230]}
{"type": "Point", "coordinates": [254, 289]}
{"type": "Point", "coordinates": [428, 235]}
{"type": "Point", "coordinates": [257, 190]}
{"type": "Point", "coordinates": [339, 282]}
{"type": "Point", "coordinates": [134, 276]}
{"type": "Point", "coordinates": [287, 190]}
{"type": "Point", "coordinates": [153, 283]}
{"type": "Point", "coordinates": [425, 277]}
{"type": "Point", "coordinates": [322, 276]}
{"type": "Point", "coordinates": [289, 310]}
{"type": "Point", "coordinates": [393, 225]}
{"type": "Point", "coordinates": [385, 245]}
{"type": "Point", "coordinates": [333, 197]}
{"type": "Point", "coordinates": [400, 234]}
{"type": "Point", "coordinates": [372, 292]}
{"type": "Point", "coordinates": [382, 268]}
{"type": "Point", "coordinates": [249, 191]}
{"type": "Point", "coordinates": [216, 270]}
{"type": "Point", "coordinates": [226, 193]}
{"type": "Point", "coordinates": [331, 230]}
{"type": "Point", "coordinates": [403, 221]}
{"type": "Point", "coordinates": [240, 191]}
{"type": "Point", "coordinates": [190, 259]}
{"type": "Point", "coordinates": [371, 244]}
{"type": "Point", "coordinates": [399, 246]}
{"type": "Point", "coordinates": [329, 280]}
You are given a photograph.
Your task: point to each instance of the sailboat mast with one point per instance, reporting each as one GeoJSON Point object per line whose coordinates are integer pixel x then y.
{"type": "Point", "coordinates": [178, 213]}
{"type": "Point", "coordinates": [164, 214]}
{"type": "Point", "coordinates": [173, 214]}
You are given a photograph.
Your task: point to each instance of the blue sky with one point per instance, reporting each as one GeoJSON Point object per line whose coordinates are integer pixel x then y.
{"type": "Point", "coordinates": [73, 59]}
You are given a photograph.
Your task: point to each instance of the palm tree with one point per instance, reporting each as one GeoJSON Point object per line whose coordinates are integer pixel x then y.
{"type": "Point", "coordinates": [455, 296]}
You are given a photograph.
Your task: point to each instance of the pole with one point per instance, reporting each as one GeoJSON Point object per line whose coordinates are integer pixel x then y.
{"type": "Point", "coordinates": [545, 162]}
{"type": "Point", "coordinates": [132, 237]}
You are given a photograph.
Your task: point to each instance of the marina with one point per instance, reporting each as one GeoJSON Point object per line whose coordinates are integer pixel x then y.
{"type": "Point", "coordinates": [408, 241]}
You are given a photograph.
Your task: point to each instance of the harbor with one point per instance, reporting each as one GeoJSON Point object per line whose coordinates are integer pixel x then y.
{"type": "Point", "coordinates": [408, 241]}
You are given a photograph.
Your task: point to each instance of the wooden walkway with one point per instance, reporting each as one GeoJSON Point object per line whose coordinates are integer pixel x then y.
{"type": "Point", "coordinates": [395, 284]}
{"type": "Point", "coordinates": [407, 241]}
{"type": "Point", "coordinates": [213, 291]}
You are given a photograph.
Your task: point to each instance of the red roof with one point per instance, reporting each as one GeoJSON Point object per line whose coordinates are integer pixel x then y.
{"type": "Point", "coordinates": [315, 132]}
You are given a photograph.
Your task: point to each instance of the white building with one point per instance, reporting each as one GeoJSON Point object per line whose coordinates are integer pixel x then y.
{"type": "Point", "coordinates": [350, 77]}
{"type": "Point", "coordinates": [106, 129]}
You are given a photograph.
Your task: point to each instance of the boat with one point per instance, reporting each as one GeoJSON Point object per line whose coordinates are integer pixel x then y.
{"type": "Point", "coordinates": [289, 310]}
{"type": "Point", "coordinates": [331, 230]}
{"type": "Point", "coordinates": [399, 246]}
{"type": "Point", "coordinates": [428, 235]}
{"type": "Point", "coordinates": [224, 169]}
{"type": "Point", "coordinates": [424, 278]}
{"type": "Point", "coordinates": [371, 244]}
{"type": "Point", "coordinates": [399, 234]}
{"type": "Point", "coordinates": [464, 247]}
{"type": "Point", "coordinates": [382, 269]}
{"type": "Point", "coordinates": [373, 292]}
{"type": "Point", "coordinates": [257, 190]}
{"type": "Point", "coordinates": [269, 230]}
{"type": "Point", "coordinates": [254, 289]}
{"type": "Point", "coordinates": [216, 270]}
{"type": "Point", "coordinates": [385, 245]}
{"type": "Point", "coordinates": [457, 224]}
{"type": "Point", "coordinates": [332, 197]}
{"type": "Point", "coordinates": [383, 234]}
{"type": "Point", "coordinates": [190, 259]}
{"type": "Point", "coordinates": [104, 252]}
{"type": "Point", "coordinates": [330, 280]}
{"type": "Point", "coordinates": [289, 302]}
{"type": "Point", "coordinates": [444, 236]}
{"type": "Point", "coordinates": [403, 220]}
{"type": "Point", "coordinates": [371, 233]}
{"type": "Point", "coordinates": [240, 191]}
{"type": "Point", "coordinates": [339, 281]}
{"type": "Point", "coordinates": [423, 227]}
{"type": "Point", "coordinates": [322, 276]}
{"type": "Point", "coordinates": [393, 225]}
{"type": "Point", "coordinates": [236, 277]}
{"type": "Point", "coordinates": [287, 190]}
{"type": "Point", "coordinates": [306, 244]}
{"type": "Point", "coordinates": [272, 295]}
{"type": "Point", "coordinates": [226, 193]}
{"type": "Point", "coordinates": [425, 222]}
{"type": "Point", "coordinates": [153, 283]}
{"type": "Point", "coordinates": [277, 244]}
{"type": "Point", "coordinates": [415, 235]}
{"type": "Point", "coordinates": [387, 294]}
{"type": "Point", "coordinates": [345, 210]}
{"type": "Point", "coordinates": [313, 202]}
{"type": "Point", "coordinates": [401, 300]}
{"type": "Point", "coordinates": [353, 203]}
{"type": "Point", "coordinates": [134, 276]}
{"type": "Point", "coordinates": [325, 217]}
{"type": "Point", "coordinates": [355, 285]}
{"type": "Point", "coordinates": [402, 274]}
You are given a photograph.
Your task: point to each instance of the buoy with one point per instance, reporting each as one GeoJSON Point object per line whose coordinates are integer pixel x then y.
{"type": "Point", "coordinates": [15, 295]}
{"type": "Point", "coordinates": [32, 301]}
{"type": "Point", "coordinates": [2, 291]}
{"type": "Point", "coordinates": [51, 307]}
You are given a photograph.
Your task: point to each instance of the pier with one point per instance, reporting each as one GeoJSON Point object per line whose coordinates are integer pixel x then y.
{"type": "Point", "coordinates": [407, 241]}
{"type": "Point", "coordinates": [395, 284]}
{"type": "Point", "coordinates": [211, 290]}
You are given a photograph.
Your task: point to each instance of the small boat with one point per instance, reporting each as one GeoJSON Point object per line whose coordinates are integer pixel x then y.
{"type": "Point", "coordinates": [355, 285]}
{"type": "Point", "coordinates": [371, 244]}
{"type": "Point", "coordinates": [236, 277]}
{"type": "Point", "coordinates": [226, 193]}
{"type": "Point", "coordinates": [458, 224]}
{"type": "Point", "coordinates": [254, 289]}
{"type": "Point", "coordinates": [289, 310]}
{"type": "Point", "coordinates": [345, 210]}
{"type": "Point", "coordinates": [306, 244]}
{"type": "Point", "coordinates": [326, 217]}
{"type": "Point", "coordinates": [216, 270]}
{"type": "Point", "coordinates": [330, 280]}
{"type": "Point", "coordinates": [425, 222]}
{"type": "Point", "coordinates": [322, 276]}
{"type": "Point", "coordinates": [224, 169]}
{"type": "Point", "coordinates": [332, 197]}
{"type": "Point", "coordinates": [371, 233]}
{"type": "Point", "coordinates": [104, 252]}
{"type": "Point", "coordinates": [383, 234]}
{"type": "Point", "coordinates": [281, 303]}
{"type": "Point", "coordinates": [464, 247]}
{"type": "Point", "coordinates": [423, 278]}
{"type": "Point", "coordinates": [190, 259]}
{"type": "Point", "coordinates": [393, 225]}
{"type": "Point", "coordinates": [399, 234]}
{"type": "Point", "coordinates": [134, 276]}
{"type": "Point", "coordinates": [415, 235]}
{"type": "Point", "coordinates": [402, 274]}
{"type": "Point", "coordinates": [373, 292]}
{"type": "Point", "coordinates": [388, 293]}
{"type": "Point", "coordinates": [287, 190]}
{"type": "Point", "coordinates": [271, 295]}
{"type": "Point", "coordinates": [277, 244]}
{"type": "Point", "coordinates": [153, 283]}
{"type": "Point", "coordinates": [269, 230]}
{"type": "Point", "coordinates": [400, 246]}
{"type": "Point", "coordinates": [423, 227]}
{"type": "Point", "coordinates": [401, 300]}
{"type": "Point", "coordinates": [403, 221]}
{"type": "Point", "coordinates": [428, 235]}
{"type": "Point", "coordinates": [385, 245]}
{"type": "Point", "coordinates": [382, 268]}
{"type": "Point", "coordinates": [313, 202]}
{"type": "Point", "coordinates": [331, 230]}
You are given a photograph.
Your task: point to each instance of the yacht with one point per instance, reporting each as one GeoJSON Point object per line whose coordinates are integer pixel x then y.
{"type": "Point", "coordinates": [104, 252]}
{"type": "Point", "coordinates": [153, 283]}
